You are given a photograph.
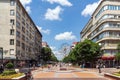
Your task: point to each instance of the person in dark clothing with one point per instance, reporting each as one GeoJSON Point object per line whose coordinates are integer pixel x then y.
{"type": "Point", "coordinates": [1, 69]}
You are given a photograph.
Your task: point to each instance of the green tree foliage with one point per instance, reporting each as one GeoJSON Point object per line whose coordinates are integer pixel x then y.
{"type": "Point", "coordinates": [117, 56]}
{"type": "Point", "coordinates": [47, 55]}
{"type": "Point", "coordinates": [86, 51]}
{"type": "Point", "coordinates": [118, 47]}
{"type": "Point", "coordinates": [53, 58]}
{"type": "Point", "coordinates": [9, 65]}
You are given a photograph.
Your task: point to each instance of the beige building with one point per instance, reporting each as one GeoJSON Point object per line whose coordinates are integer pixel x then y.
{"type": "Point", "coordinates": [19, 36]}
{"type": "Point", "coordinates": [45, 44]}
{"type": "Point", "coordinates": [104, 28]}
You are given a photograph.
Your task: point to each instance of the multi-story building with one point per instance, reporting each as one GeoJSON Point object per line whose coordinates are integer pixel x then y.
{"type": "Point", "coordinates": [74, 44]}
{"type": "Point", "coordinates": [19, 36]}
{"type": "Point", "coordinates": [104, 28]}
{"type": "Point", "coordinates": [45, 44]}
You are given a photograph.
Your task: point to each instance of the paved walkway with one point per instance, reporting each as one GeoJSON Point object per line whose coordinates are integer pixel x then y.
{"type": "Point", "coordinates": [73, 74]}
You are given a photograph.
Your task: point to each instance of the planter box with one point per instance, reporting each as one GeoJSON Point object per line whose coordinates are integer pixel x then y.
{"type": "Point", "coordinates": [18, 78]}
{"type": "Point", "coordinates": [108, 75]}
{"type": "Point", "coordinates": [63, 69]}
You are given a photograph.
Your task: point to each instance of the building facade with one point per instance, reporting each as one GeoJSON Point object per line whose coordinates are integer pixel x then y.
{"type": "Point", "coordinates": [45, 44]}
{"type": "Point", "coordinates": [74, 44]}
{"type": "Point", "coordinates": [19, 36]}
{"type": "Point", "coordinates": [104, 28]}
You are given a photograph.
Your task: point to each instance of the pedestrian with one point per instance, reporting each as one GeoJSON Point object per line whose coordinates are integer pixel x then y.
{"type": "Point", "coordinates": [80, 66]}
{"type": "Point", "coordinates": [49, 67]}
{"type": "Point", "coordinates": [34, 66]}
{"type": "Point", "coordinates": [99, 68]}
{"type": "Point", "coordinates": [83, 65]}
{"type": "Point", "coordinates": [1, 69]}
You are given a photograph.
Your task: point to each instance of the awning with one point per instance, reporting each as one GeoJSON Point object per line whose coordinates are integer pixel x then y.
{"type": "Point", "coordinates": [108, 57]}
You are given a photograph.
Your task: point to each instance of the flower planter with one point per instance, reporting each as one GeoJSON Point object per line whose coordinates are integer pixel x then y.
{"type": "Point", "coordinates": [18, 78]}
{"type": "Point", "coordinates": [111, 76]}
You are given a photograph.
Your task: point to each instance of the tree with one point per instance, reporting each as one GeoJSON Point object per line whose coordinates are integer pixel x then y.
{"type": "Point", "coordinates": [88, 51]}
{"type": "Point", "coordinates": [53, 58]}
{"type": "Point", "coordinates": [46, 54]}
{"type": "Point", "coordinates": [117, 56]}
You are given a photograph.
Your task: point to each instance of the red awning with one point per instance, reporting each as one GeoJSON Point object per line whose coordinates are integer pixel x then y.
{"type": "Point", "coordinates": [108, 57]}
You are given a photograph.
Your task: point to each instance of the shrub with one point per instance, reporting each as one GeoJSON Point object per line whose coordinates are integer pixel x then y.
{"type": "Point", "coordinates": [9, 65]}
{"type": "Point", "coordinates": [11, 76]}
{"type": "Point", "coordinates": [8, 72]}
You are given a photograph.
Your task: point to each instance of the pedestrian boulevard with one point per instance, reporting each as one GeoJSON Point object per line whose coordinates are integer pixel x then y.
{"type": "Point", "coordinates": [76, 74]}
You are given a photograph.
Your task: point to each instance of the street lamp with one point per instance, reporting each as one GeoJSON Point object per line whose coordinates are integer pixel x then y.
{"type": "Point", "coordinates": [99, 61]}
{"type": "Point", "coordinates": [1, 54]}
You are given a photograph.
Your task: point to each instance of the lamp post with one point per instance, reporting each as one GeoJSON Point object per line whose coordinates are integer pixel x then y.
{"type": "Point", "coordinates": [1, 54]}
{"type": "Point", "coordinates": [99, 62]}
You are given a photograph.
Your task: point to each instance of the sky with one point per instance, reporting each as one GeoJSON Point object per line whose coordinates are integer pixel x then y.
{"type": "Point", "coordinates": [60, 21]}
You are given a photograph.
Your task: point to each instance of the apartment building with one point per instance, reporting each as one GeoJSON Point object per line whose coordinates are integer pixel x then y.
{"type": "Point", "coordinates": [104, 28]}
{"type": "Point", "coordinates": [19, 36]}
{"type": "Point", "coordinates": [45, 44]}
{"type": "Point", "coordinates": [74, 44]}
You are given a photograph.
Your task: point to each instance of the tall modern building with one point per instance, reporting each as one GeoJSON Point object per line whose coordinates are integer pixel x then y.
{"type": "Point", "coordinates": [104, 28]}
{"type": "Point", "coordinates": [19, 36]}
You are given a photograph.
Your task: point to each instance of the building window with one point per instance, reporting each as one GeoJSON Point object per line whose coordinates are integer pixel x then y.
{"type": "Point", "coordinates": [17, 24]}
{"type": "Point", "coordinates": [18, 43]}
{"type": "Point", "coordinates": [12, 2]}
{"type": "Point", "coordinates": [18, 7]}
{"type": "Point", "coordinates": [12, 52]}
{"type": "Point", "coordinates": [23, 29]}
{"type": "Point", "coordinates": [12, 12]}
{"type": "Point", "coordinates": [18, 15]}
{"type": "Point", "coordinates": [11, 31]}
{"type": "Point", "coordinates": [23, 46]}
{"type": "Point", "coordinates": [12, 21]}
{"type": "Point", "coordinates": [23, 37]}
{"type": "Point", "coordinates": [23, 21]}
{"type": "Point", "coordinates": [107, 7]}
{"type": "Point", "coordinates": [11, 41]}
{"type": "Point", "coordinates": [17, 33]}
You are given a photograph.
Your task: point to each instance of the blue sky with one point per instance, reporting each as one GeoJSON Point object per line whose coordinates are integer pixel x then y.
{"type": "Point", "coordinates": [60, 21]}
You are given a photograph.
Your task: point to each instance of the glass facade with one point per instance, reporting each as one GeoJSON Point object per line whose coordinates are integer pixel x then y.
{"type": "Point", "coordinates": [107, 34]}
{"type": "Point", "coordinates": [105, 25]}
{"type": "Point", "coordinates": [107, 7]}
{"type": "Point", "coordinates": [109, 16]}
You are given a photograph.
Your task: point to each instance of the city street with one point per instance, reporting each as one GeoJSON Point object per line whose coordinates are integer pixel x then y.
{"type": "Point", "coordinates": [73, 74]}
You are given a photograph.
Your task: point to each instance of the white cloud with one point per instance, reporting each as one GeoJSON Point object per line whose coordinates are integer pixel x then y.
{"type": "Point", "coordinates": [61, 2]}
{"type": "Point", "coordinates": [90, 8]}
{"type": "Point", "coordinates": [25, 2]}
{"type": "Point", "coordinates": [52, 48]}
{"type": "Point", "coordinates": [28, 9]}
{"type": "Point", "coordinates": [65, 36]}
{"type": "Point", "coordinates": [53, 14]}
{"type": "Point", "coordinates": [47, 31]}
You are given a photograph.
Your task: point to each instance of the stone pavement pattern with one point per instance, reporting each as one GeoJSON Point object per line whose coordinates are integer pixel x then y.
{"type": "Point", "coordinates": [68, 76]}
{"type": "Point", "coordinates": [76, 74]}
